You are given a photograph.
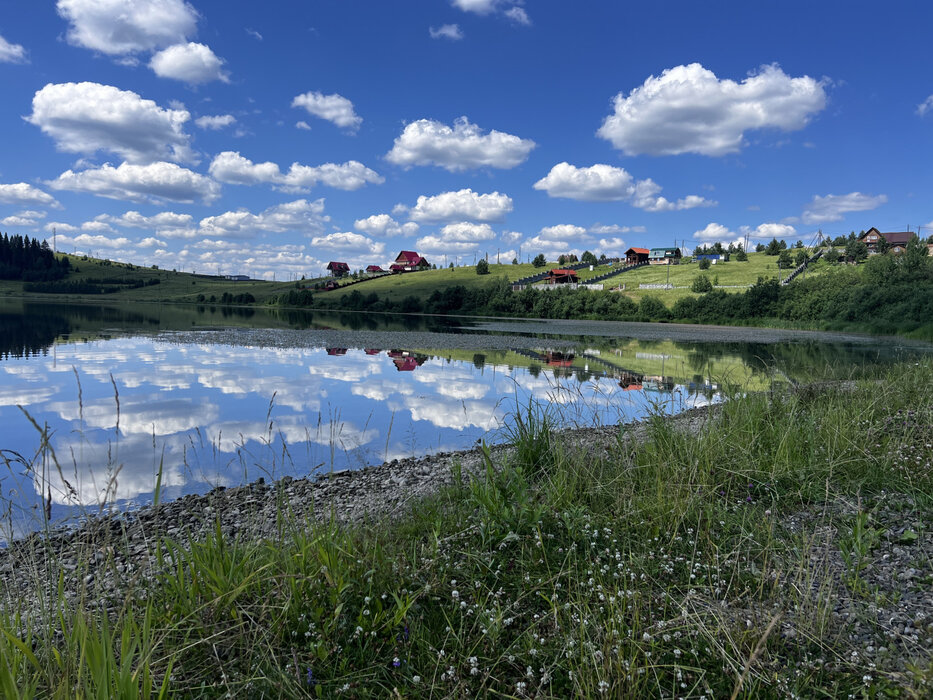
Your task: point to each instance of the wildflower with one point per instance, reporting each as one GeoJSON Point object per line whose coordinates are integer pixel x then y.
{"type": "Point", "coordinates": [602, 686]}
{"type": "Point", "coordinates": [309, 677]}
{"type": "Point", "coordinates": [396, 662]}
{"type": "Point", "coordinates": [416, 679]}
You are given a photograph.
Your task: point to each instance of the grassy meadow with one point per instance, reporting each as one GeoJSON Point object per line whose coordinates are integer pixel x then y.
{"type": "Point", "coordinates": [747, 556]}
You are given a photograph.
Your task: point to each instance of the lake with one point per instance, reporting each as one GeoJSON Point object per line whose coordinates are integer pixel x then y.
{"type": "Point", "coordinates": [101, 405]}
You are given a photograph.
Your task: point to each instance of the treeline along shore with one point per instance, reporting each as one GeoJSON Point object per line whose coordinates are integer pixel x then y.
{"type": "Point", "coordinates": [885, 294]}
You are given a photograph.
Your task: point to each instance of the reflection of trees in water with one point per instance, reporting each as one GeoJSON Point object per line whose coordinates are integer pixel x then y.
{"type": "Point", "coordinates": [799, 360]}
{"type": "Point", "coordinates": [23, 336]}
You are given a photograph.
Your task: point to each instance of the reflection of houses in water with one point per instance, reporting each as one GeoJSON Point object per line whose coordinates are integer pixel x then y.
{"type": "Point", "coordinates": [558, 359]}
{"type": "Point", "coordinates": [336, 351]}
{"type": "Point", "coordinates": [406, 361]}
{"type": "Point", "coordinates": [372, 351]}
{"type": "Point", "coordinates": [658, 383]}
{"type": "Point", "coordinates": [631, 381]}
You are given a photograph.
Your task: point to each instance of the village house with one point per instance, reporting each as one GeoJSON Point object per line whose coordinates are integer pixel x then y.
{"type": "Point", "coordinates": [338, 269]}
{"type": "Point", "coordinates": [664, 256]}
{"type": "Point", "coordinates": [636, 256]}
{"type": "Point", "coordinates": [897, 240]}
{"type": "Point", "coordinates": [373, 270]}
{"type": "Point", "coordinates": [561, 276]}
{"type": "Point", "coordinates": [409, 261]}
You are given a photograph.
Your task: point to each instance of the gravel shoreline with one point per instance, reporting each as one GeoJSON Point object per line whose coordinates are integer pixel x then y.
{"type": "Point", "coordinates": [106, 554]}
{"type": "Point", "coordinates": [884, 628]}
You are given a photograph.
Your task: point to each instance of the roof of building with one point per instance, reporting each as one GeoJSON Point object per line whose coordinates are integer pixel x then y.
{"type": "Point", "coordinates": [892, 237]}
{"type": "Point", "coordinates": [337, 266]}
{"type": "Point", "coordinates": [409, 256]}
{"type": "Point", "coordinates": [373, 268]}
{"type": "Point", "coordinates": [561, 271]}
{"type": "Point", "coordinates": [641, 251]}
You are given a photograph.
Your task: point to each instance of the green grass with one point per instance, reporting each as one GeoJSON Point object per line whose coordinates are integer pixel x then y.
{"type": "Point", "coordinates": [423, 284]}
{"type": "Point", "coordinates": [172, 286]}
{"type": "Point", "coordinates": [665, 567]}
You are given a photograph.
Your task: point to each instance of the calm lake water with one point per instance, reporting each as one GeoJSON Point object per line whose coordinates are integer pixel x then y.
{"type": "Point", "coordinates": [209, 397]}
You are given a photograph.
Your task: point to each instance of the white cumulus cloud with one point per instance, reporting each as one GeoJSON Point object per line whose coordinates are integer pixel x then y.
{"type": "Point", "coordinates": [446, 31]}
{"type": "Point", "coordinates": [461, 147]}
{"type": "Point", "coordinates": [349, 242]}
{"type": "Point", "coordinates": [216, 122]}
{"type": "Point", "coordinates": [190, 63]}
{"type": "Point", "coordinates": [233, 168]}
{"type": "Point", "coordinates": [714, 232]}
{"type": "Point", "coordinates": [140, 183]}
{"type": "Point", "coordinates": [334, 108]}
{"type": "Point", "coordinates": [768, 230]}
{"type": "Point", "coordinates": [12, 53]}
{"type": "Point", "coordinates": [687, 109]}
{"type": "Point", "coordinates": [25, 194]}
{"type": "Point", "coordinates": [385, 226]}
{"type": "Point", "coordinates": [833, 207]}
{"type": "Point", "coordinates": [90, 117]}
{"type": "Point", "coordinates": [117, 27]}
{"type": "Point", "coordinates": [606, 183]}
{"type": "Point", "coordinates": [462, 205]}
{"type": "Point", "coordinates": [301, 216]}
{"type": "Point", "coordinates": [461, 237]}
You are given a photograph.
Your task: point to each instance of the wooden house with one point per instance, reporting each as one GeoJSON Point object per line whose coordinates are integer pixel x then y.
{"type": "Point", "coordinates": [897, 240]}
{"type": "Point", "coordinates": [664, 256]}
{"type": "Point", "coordinates": [338, 269]}
{"type": "Point", "coordinates": [561, 276]}
{"type": "Point", "coordinates": [636, 256]}
{"type": "Point", "coordinates": [374, 269]}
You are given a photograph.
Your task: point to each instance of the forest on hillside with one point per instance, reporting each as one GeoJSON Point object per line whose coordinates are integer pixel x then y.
{"type": "Point", "coordinates": [23, 258]}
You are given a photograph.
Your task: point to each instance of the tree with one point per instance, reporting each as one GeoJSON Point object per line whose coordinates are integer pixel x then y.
{"type": "Point", "coordinates": [741, 255]}
{"type": "Point", "coordinates": [801, 257]}
{"type": "Point", "coordinates": [773, 248]}
{"type": "Point", "coordinates": [798, 244]}
{"type": "Point", "coordinates": [588, 258]}
{"type": "Point", "coordinates": [701, 284]}
{"type": "Point", "coordinates": [760, 248]}
{"type": "Point", "coordinates": [539, 260]}
{"type": "Point", "coordinates": [561, 260]}
{"type": "Point", "coordinates": [482, 267]}
{"type": "Point", "coordinates": [515, 261]}
{"type": "Point", "coordinates": [704, 263]}
{"type": "Point", "coordinates": [856, 250]}
{"type": "Point", "coordinates": [831, 256]}
{"type": "Point", "coordinates": [784, 260]}
{"type": "Point", "coordinates": [882, 246]}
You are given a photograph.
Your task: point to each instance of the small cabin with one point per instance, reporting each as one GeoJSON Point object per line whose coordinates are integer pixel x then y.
{"type": "Point", "coordinates": [374, 269]}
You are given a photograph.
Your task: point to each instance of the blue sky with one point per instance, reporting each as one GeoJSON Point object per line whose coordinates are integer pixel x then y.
{"type": "Point", "coordinates": [270, 138]}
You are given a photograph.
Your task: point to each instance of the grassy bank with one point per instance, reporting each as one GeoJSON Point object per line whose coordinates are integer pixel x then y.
{"type": "Point", "coordinates": [750, 558]}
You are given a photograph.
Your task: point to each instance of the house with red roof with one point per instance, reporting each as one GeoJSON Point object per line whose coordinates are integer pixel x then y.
{"type": "Point", "coordinates": [409, 261]}
{"type": "Point", "coordinates": [373, 269]}
{"type": "Point", "coordinates": [338, 269]}
{"type": "Point", "coordinates": [635, 256]}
